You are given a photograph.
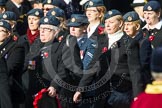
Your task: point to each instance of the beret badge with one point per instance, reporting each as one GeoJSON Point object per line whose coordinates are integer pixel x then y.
{"type": "Point", "coordinates": [91, 3]}
{"type": "Point", "coordinates": [46, 20]}
{"type": "Point", "coordinates": [129, 18]}
{"type": "Point", "coordinates": [4, 16]}
{"type": "Point", "coordinates": [73, 20]}
{"type": "Point", "coordinates": [110, 12]}
{"type": "Point", "coordinates": [36, 13]}
{"type": "Point", "coordinates": [149, 8]}
{"type": "Point", "coordinates": [53, 13]}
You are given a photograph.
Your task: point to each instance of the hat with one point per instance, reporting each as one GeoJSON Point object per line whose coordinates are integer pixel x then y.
{"type": "Point", "coordinates": [152, 6]}
{"type": "Point", "coordinates": [91, 3]}
{"type": "Point", "coordinates": [131, 16]}
{"type": "Point", "coordinates": [8, 15]}
{"type": "Point", "coordinates": [56, 12]}
{"type": "Point", "coordinates": [36, 12]}
{"type": "Point", "coordinates": [5, 24]}
{"type": "Point", "coordinates": [50, 20]}
{"type": "Point", "coordinates": [112, 13]}
{"type": "Point", "coordinates": [2, 2]}
{"type": "Point", "coordinates": [52, 2]}
{"type": "Point", "coordinates": [156, 64]}
{"type": "Point", "coordinates": [138, 3]}
{"type": "Point", "coordinates": [77, 20]}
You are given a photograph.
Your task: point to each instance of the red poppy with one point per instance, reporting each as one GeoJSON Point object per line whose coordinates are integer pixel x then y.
{"type": "Point", "coordinates": [104, 49]}
{"type": "Point", "coordinates": [60, 38]}
{"type": "Point", "coordinates": [45, 54]}
{"type": "Point", "coordinates": [151, 38]}
{"type": "Point", "coordinates": [15, 38]}
{"type": "Point", "coordinates": [100, 30]}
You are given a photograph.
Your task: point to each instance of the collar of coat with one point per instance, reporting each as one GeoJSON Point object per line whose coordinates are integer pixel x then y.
{"type": "Point", "coordinates": [154, 88]}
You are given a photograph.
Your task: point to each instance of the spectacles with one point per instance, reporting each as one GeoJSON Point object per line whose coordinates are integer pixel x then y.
{"type": "Point", "coordinates": [45, 29]}
{"type": "Point", "coordinates": [47, 9]}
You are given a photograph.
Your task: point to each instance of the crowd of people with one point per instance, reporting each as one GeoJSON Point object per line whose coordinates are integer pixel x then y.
{"type": "Point", "coordinates": [66, 54]}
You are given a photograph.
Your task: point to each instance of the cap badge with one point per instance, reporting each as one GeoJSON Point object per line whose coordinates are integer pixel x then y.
{"type": "Point", "coordinates": [1, 23]}
{"type": "Point", "coordinates": [4, 16]}
{"type": "Point", "coordinates": [110, 12]}
{"type": "Point", "coordinates": [91, 3]}
{"type": "Point", "coordinates": [129, 18]}
{"type": "Point", "coordinates": [36, 13]}
{"type": "Point", "coordinates": [149, 8]}
{"type": "Point", "coordinates": [53, 13]}
{"type": "Point", "coordinates": [73, 20]}
{"type": "Point", "coordinates": [48, 1]}
{"type": "Point", "coordinates": [46, 20]}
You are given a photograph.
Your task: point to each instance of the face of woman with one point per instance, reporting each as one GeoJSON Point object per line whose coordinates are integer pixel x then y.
{"type": "Point", "coordinates": [33, 22]}
{"type": "Point", "coordinates": [92, 14]}
{"type": "Point", "coordinates": [130, 28]}
{"type": "Point", "coordinates": [151, 17]}
{"type": "Point", "coordinates": [76, 31]}
{"type": "Point", "coordinates": [112, 25]}
{"type": "Point", "coordinates": [3, 34]}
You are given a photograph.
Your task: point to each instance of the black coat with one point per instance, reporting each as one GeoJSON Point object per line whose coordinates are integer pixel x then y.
{"type": "Point", "coordinates": [5, 96]}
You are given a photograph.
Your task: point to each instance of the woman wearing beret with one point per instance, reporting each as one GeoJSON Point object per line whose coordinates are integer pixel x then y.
{"type": "Point", "coordinates": [153, 28]}
{"type": "Point", "coordinates": [124, 65]}
{"type": "Point", "coordinates": [133, 29]}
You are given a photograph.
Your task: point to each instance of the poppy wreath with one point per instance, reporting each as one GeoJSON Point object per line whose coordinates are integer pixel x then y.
{"type": "Point", "coordinates": [42, 100]}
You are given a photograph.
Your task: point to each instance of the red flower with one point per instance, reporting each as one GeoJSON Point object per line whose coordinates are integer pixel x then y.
{"type": "Point", "coordinates": [151, 38]}
{"type": "Point", "coordinates": [45, 54]}
{"type": "Point", "coordinates": [60, 38]}
{"type": "Point", "coordinates": [100, 30]}
{"type": "Point", "coordinates": [15, 38]}
{"type": "Point", "coordinates": [104, 49]}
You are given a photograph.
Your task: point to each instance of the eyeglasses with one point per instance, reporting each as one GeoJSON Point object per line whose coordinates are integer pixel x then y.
{"type": "Point", "coordinates": [47, 9]}
{"type": "Point", "coordinates": [45, 29]}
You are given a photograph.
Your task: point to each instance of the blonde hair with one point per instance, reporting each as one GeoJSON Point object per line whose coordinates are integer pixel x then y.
{"type": "Point", "coordinates": [62, 23]}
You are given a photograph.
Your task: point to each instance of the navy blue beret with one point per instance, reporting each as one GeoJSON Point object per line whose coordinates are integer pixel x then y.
{"type": "Point", "coordinates": [36, 12]}
{"type": "Point", "coordinates": [93, 3]}
{"type": "Point", "coordinates": [58, 12]}
{"type": "Point", "coordinates": [8, 15]}
{"type": "Point", "coordinates": [5, 24]}
{"type": "Point", "coordinates": [51, 20]}
{"type": "Point", "coordinates": [77, 20]}
{"type": "Point", "coordinates": [152, 6]}
{"type": "Point", "coordinates": [52, 2]}
{"type": "Point", "coordinates": [156, 60]}
{"type": "Point", "coordinates": [131, 16]}
{"type": "Point", "coordinates": [2, 2]}
{"type": "Point", "coordinates": [112, 13]}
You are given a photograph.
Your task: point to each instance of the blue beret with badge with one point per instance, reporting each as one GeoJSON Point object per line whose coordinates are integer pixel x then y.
{"type": "Point", "coordinates": [5, 24]}
{"type": "Point", "coordinates": [156, 64]}
{"type": "Point", "coordinates": [91, 3]}
{"type": "Point", "coordinates": [2, 2]}
{"type": "Point", "coordinates": [52, 2]}
{"type": "Point", "coordinates": [77, 20]}
{"type": "Point", "coordinates": [36, 12]}
{"type": "Point", "coordinates": [8, 15]}
{"type": "Point", "coordinates": [152, 6]}
{"type": "Point", "coordinates": [112, 13]}
{"type": "Point", "coordinates": [58, 12]}
{"type": "Point", "coordinates": [131, 16]}
{"type": "Point", "coordinates": [50, 20]}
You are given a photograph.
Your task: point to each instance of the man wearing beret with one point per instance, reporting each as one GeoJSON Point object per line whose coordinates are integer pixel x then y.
{"type": "Point", "coordinates": [50, 61]}
{"type": "Point", "coordinates": [153, 28]}
{"type": "Point", "coordinates": [152, 96]}
{"type": "Point", "coordinates": [133, 29]}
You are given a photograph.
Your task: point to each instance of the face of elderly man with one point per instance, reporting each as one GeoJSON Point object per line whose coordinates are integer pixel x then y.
{"type": "Point", "coordinates": [47, 32]}
{"type": "Point", "coordinates": [4, 33]}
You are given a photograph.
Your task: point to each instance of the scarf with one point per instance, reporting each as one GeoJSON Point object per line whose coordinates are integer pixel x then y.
{"type": "Point", "coordinates": [31, 37]}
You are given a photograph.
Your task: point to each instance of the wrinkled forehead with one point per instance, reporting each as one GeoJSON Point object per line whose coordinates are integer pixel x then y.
{"type": "Point", "coordinates": [46, 26]}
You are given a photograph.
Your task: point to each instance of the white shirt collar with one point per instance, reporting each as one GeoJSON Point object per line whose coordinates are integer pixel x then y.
{"type": "Point", "coordinates": [92, 29]}
{"type": "Point", "coordinates": [67, 1]}
{"type": "Point", "coordinates": [115, 37]}
{"type": "Point", "coordinates": [17, 5]}
{"type": "Point", "coordinates": [157, 26]}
